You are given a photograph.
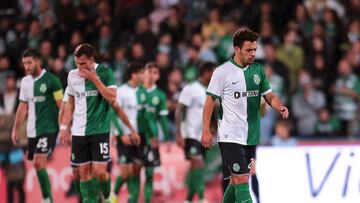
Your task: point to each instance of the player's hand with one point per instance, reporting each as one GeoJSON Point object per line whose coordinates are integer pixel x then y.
{"type": "Point", "coordinates": [180, 141]}
{"type": "Point", "coordinates": [126, 139]}
{"type": "Point", "coordinates": [65, 137]}
{"type": "Point", "coordinates": [135, 138]}
{"type": "Point", "coordinates": [284, 112]}
{"type": "Point", "coordinates": [15, 137]}
{"type": "Point", "coordinates": [89, 74]}
{"type": "Point", "coordinates": [154, 142]}
{"type": "Point", "coordinates": [207, 139]}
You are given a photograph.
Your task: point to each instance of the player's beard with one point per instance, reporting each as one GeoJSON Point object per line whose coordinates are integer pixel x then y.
{"type": "Point", "coordinates": [31, 71]}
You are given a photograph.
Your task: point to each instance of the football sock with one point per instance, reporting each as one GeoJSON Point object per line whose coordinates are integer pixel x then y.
{"type": "Point", "coordinates": [148, 184]}
{"type": "Point", "coordinates": [105, 187]}
{"type": "Point", "coordinates": [255, 186]}
{"type": "Point", "coordinates": [198, 175]}
{"type": "Point", "coordinates": [229, 195]}
{"type": "Point", "coordinates": [242, 193]}
{"type": "Point", "coordinates": [118, 183]}
{"type": "Point", "coordinates": [44, 181]}
{"type": "Point", "coordinates": [134, 187]}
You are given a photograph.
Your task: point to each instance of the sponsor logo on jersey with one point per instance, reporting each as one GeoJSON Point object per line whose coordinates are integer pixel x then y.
{"type": "Point", "coordinates": [89, 93]}
{"type": "Point", "coordinates": [142, 97]}
{"type": "Point", "coordinates": [251, 93]}
{"type": "Point", "coordinates": [39, 99]}
{"type": "Point", "coordinates": [236, 167]}
{"type": "Point", "coordinates": [43, 88]}
{"type": "Point", "coordinates": [257, 79]}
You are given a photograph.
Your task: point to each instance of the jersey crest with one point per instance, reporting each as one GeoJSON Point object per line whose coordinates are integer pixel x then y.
{"type": "Point", "coordinates": [43, 88]}
{"type": "Point", "coordinates": [257, 79]}
{"type": "Point", "coordinates": [155, 100]}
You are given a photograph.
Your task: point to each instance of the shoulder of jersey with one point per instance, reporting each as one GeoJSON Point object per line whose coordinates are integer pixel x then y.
{"type": "Point", "coordinates": [50, 74]}
{"type": "Point", "coordinates": [26, 78]}
{"type": "Point", "coordinates": [74, 71]}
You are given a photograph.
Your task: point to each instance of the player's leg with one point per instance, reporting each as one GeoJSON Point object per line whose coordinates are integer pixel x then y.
{"type": "Point", "coordinates": [100, 156]}
{"type": "Point", "coordinates": [134, 182]}
{"type": "Point", "coordinates": [254, 180]}
{"type": "Point", "coordinates": [195, 153]}
{"type": "Point", "coordinates": [80, 157]}
{"type": "Point", "coordinates": [125, 164]}
{"type": "Point", "coordinates": [43, 145]}
{"type": "Point", "coordinates": [152, 160]}
{"type": "Point", "coordinates": [239, 163]}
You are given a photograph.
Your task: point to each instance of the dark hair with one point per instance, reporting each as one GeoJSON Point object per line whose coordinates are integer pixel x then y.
{"type": "Point", "coordinates": [133, 67]}
{"type": "Point", "coordinates": [85, 49]}
{"type": "Point", "coordinates": [151, 65]}
{"type": "Point", "coordinates": [243, 35]}
{"type": "Point", "coordinates": [206, 66]}
{"type": "Point", "coordinates": [31, 53]}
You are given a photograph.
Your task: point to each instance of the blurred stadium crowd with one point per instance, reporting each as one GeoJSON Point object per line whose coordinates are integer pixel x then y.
{"type": "Point", "coordinates": [310, 48]}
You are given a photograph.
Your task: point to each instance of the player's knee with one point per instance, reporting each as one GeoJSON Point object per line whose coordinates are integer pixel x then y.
{"type": "Point", "coordinates": [76, 174]}
{"type": "Point", "coordinates": [240, 179]}
{"type": "Point", "coordinates": [39, 163]}
{"type": "Point", "coordinates": [85, 172]}
{"type": "Point", "coordinates": [100, 174]}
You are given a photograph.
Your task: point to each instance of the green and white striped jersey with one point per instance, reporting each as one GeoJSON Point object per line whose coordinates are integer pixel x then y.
{"type": "Point", "coordinates": [133, 102]}
{"type": "Point", "coordinates": [41, 94]}
{"type": "Point", "coordinates": [239, 90]}
{"type": "Point", "coordinates": [92, 112]}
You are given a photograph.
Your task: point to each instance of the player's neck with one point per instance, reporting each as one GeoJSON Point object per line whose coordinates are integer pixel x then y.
{"type": "Point", "coordinates": [37, 72]}
{"type": "Point", "coordinates": [132, 83]}
{"type": "Point", "coordinates": [149, 85]}
{"type": "Point", "coordinates": [238, 61]}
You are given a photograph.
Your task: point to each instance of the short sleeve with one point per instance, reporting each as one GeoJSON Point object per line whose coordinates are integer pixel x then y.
{"type": "Point", "coordinates": [57, 89]}
{"type": "Point", "coordinates": [22, 94]}
{"type": "Point", "coordinates": [119, 95]}
{"type": "Point", "coordinates": [185, 97]}
{"type": "Point", "coordinates": [264, 85]}
{"type": "Point", "coordinates": [109, 79]}
{"type": "Point", "coordinates": [216, 84]}
{"type": "Point", "coordinates": [66, 95]}
{"type": "Point", "coordinates": [70, 88]}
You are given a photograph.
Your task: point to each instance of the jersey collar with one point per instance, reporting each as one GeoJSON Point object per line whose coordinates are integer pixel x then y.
{"type": "Point", "coordinates": [151, 88]}
{"type": "Point", "coordinates": [96, 66]}
{"type": "Point", "coordinates": [43, 71]}
{"type": "Point", "coordinates": [238, 65]}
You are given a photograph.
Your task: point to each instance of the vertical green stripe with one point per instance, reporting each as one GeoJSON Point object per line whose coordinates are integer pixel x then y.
{"type": "Point", "coordinates": [253, 106]}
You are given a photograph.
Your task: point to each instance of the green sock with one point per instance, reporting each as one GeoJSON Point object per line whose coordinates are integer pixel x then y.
{"type": "Point", "coordinates": [199, 182]}
{"type": "Point", "coordinates": [105, 187]}
{"type": "Point", "coordinates": [134, 187]}
{"type": "Point", "coordinates": [44, 181]}
{"type": "Point", "coordinates": [86, 190]}
{"type": "Point", "coordinates": [95, 190]}
{"type": "Point", "coordinates": [118, 183]}
{"type": "Point", "coordinates": [76, 183]}
{"type": "Point", "coordinates": [229, 195]}
{"type": "Point", "coordinates": [148, 184]}
{"type": "Point", "coordinates": [191, 185]}
{"type": "Point", "coordinates": [242, 193]}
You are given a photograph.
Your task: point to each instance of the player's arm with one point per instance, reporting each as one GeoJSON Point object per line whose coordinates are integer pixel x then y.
{"type": "Point", "coordinates": [276, 104]}
{"type": "Point", "coordinates": [152, 121]}
{"type": "Point", "coordinates": [116, 122]}
{"type": "Point", "coordinates": [179, 118]}
{"type": "Point", "coordinates": [21, 114]}
{"type": "Point", "coordinates": [65, 118]}
{"type": "Point", "coordinates": [206, 138]}
{"type": "Point", "coordinates": [163, 113]}
{"type": "Point", "coordinates": [108, 91]}
{"type": "Point", "coordinates": [121, 114]}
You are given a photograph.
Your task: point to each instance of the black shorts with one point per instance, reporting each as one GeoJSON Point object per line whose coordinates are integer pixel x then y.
{"type": "Point", "coordinates": [127, 154]}
{"type": "Point", "coordinates": [43, 144]}
{"type": "Point", "coordinates": [193, 148]}
{"type": "Point", "coordinates": [236, 158]}
{"type": "Point", "coordinates": [151, 156]}
{"type": "Point", "coordinates": [90, 149]}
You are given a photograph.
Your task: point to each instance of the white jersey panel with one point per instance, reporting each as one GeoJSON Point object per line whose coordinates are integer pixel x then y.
{"type": "Point", "coordinates": [193, 96]}
{"type": "Point", "coordinates": [126, 97]}
{"type": "Point", "coordinates": [76, 84]}
{"type": "Point", "coordinates": [27, 95]}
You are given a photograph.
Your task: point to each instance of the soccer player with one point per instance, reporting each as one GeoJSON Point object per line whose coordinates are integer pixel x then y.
{"type": "Point", "coordinates": [239, 84]}
{"type": "Point", "coordinates": [40, 99]}
{"type": "Point", "coordinates": [156, 113]}
{"type": "Point", "coordinates": [132, 97]}
{"type": "Point", "coordinates": [190, 106]}
{"type": "Point", "coordinates": [92, 93]}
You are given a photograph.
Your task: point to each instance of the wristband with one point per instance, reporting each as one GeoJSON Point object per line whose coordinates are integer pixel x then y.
{"type": "Point", "coordinates": [63, 127]}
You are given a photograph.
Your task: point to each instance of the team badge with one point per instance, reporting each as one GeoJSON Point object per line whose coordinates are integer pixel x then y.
{"type": "Point", "coordinates": [43, 88]}
{"type": "Point", "coordinates": [123, 159]}
{"type": "Point", "coordinates": [257, 79]}
{"type": "Point", "coordinates": [155, 101]}
{"type": "Point", "coordinates": [236, 167]}
{"type": "Point", "coordinates": [142, 97]}
{"type": "Point", "coordinates": [193, 150]}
